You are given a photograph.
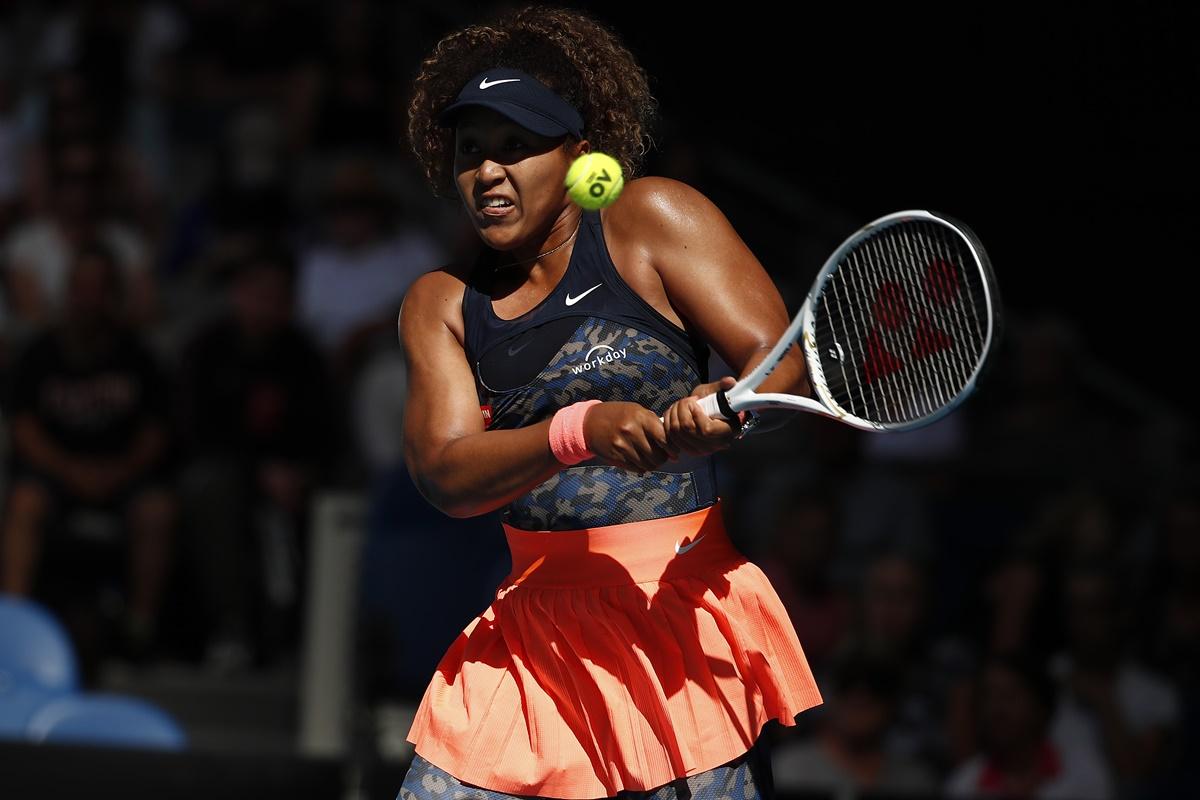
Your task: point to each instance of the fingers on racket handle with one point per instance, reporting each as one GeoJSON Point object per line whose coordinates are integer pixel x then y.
{"type": "Point", "coordinates": [710, 406]}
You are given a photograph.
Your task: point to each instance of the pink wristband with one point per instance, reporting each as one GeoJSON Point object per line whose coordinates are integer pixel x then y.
{"type": "Point", "coordinates": [566, 433]}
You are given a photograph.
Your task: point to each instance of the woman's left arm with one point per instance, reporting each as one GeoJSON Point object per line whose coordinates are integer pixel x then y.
{"type": "Point", "coordinates": [721, 291]}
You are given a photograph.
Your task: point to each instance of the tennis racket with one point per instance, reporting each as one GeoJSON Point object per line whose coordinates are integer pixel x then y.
{"type": "Point", "coordinates": [896, 328]}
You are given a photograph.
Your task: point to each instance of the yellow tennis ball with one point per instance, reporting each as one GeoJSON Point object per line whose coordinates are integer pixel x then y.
{"type": "Point", "coordinates": [595, 181]}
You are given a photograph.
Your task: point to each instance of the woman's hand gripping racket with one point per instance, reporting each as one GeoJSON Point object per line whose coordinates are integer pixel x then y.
{"type": "Point", "coordinates": [896, 328]}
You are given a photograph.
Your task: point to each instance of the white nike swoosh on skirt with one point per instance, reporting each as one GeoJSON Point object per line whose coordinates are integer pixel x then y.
{"type": "Point", "coordinates": [680, 550]}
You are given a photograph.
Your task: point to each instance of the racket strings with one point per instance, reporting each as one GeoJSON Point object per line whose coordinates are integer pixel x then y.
{"type": "Point", "coordinates": [930, 337]}
{"type": "Point", "coordinates": [941, 355]}
{"type": "Point", "coordinates": [940, 285]}
{"type": "Point", "coordinates": [902, 324]}
{"type": "Point", "coordinates": [921, 384]}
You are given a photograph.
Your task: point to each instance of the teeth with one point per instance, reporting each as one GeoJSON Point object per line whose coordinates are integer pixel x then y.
{"type": "Point", "coordinates": [495, 201]}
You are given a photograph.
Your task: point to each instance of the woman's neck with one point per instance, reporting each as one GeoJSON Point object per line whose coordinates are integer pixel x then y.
{"type": "Point", "coordinates": [528, 259]}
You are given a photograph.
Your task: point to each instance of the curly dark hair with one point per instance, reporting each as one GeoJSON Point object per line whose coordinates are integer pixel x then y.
{"type": "Point", "coordinates": [573, 54]}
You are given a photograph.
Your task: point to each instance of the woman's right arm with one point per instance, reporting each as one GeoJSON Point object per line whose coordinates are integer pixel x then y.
{"type": "Point", "coordinates": [458, 466]}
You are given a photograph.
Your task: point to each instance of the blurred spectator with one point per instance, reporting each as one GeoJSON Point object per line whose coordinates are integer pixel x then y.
{"type": "Point", "coordinates": [932, 676]}
{"type": "Point", "coordinates": [378, 411]}
{"type": "Point", "coordinates": [12, 147]}
{"type": "Point", "coordinates": [89, 411]}
{"type": "Point", "coordinates": [39, 252]}
{"type": "Point", "coordinates": [798, 564]}
{"type": "Point", "coordinates": [351, 285]}
{"type": "Point", "coordinates": [1176, 651]}
{"type": "Point", "coordinates": [1173, 593]}
{"type": "Point", "coordinates": [258, 412]}
{"type": "Point", "coordinates": [1047, 410]}
{"type": "Point", "coordinates": [885, 509]}
{"type": "Point", "coordinates": [1018, 758]}
{"type": "Point", "coordinates": [94, 39]}
{"type": "Point", "coordinates": [1178, 560]}
{"type": "Point", "coordinates": [1108, 700]}
{"type": "Point", "coordinates": [356, 98]}
{"type": "Point", "coordinates": [1010, 612]}
{"type": "Point", "coordinates": [847, 755]}
{"type": "Point", "coordinates": [1016, 618]}
{"type": "Point", "coordinates": [245, 200]}
{"type": "Point", "coordinates": [247, 53]}
{"type": "Point", "coordinates": [78, 105]}
{"type": "Point", "coordinates": [1080, 525]}
{"type": "Point", "coordinates": [1177, 646]}
{"type": "Point", "coordinates": [893, 607]}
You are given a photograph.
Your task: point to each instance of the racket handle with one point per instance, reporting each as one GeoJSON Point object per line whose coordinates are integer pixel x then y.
{"type": "Point", "coordinates": [710, 406]}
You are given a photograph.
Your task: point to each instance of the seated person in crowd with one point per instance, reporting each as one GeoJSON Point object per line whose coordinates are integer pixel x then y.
{"type": "Point", "coordinates": [89, 428]}
{"type": "Point", "coordinates": [1107, 698]}
{"type": "Point", "coordinates": [257, 410]}
{"type": "Point", "coordinates": [38, 253]}
{"type": "Point", "coordinates": [805, 535]}
{"type": "Point", "coordinates": [1019, 759]}
{"type": "Point", "coordinates": [933, 674]}
{"type": "Point", "coordinates": [352, 282]}
{"type": "Point", "coordinates": [847, 756]}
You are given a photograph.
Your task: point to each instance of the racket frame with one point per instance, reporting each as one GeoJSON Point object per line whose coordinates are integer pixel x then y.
{"type": "Point", "coordinates": [803, 328]}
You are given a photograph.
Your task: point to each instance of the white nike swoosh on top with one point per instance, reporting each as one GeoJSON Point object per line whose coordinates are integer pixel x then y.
{"type": "Point", "coordinates": [573, 300]}
{"type": "Point", "coordinates": [485, 83]}
{"type": "Point", "coordinates": [680, 550]}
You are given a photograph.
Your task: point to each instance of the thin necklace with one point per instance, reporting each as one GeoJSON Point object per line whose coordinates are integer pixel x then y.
{"type": "Point", "coordinates": [548, 252]}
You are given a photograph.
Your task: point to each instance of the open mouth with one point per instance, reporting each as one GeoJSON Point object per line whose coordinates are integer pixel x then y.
{"type": "Point", "coordinates": [496, 207]}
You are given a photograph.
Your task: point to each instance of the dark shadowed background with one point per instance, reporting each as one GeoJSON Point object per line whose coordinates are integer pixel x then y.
{"type": "Point", "coordinates": [209, 218]}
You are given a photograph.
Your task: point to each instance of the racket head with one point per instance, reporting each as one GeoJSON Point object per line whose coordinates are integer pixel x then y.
{"type": "Point", "coordinates": [901, 321]}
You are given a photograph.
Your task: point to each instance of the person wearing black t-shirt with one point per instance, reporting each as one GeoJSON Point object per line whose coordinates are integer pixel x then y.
{"type": "Point", "coordinates": [257, 411]}
{"type": "Point", "coordinates": [88, 410]}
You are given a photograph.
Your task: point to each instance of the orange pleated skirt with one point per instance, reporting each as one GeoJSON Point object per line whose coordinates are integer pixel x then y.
{"type": "Point", "coordinates": [613, 659]}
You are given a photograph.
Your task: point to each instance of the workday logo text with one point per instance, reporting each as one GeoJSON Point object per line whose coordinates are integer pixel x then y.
{"type": "Point", "coordinates": [598, 356]}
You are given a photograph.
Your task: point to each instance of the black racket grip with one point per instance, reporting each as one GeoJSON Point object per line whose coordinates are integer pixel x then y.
{"type": "Point", "coordinates": [731, 416]}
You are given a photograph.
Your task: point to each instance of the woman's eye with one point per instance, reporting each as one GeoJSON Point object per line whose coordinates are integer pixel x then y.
{"type": "Point", "coordinates": [515, 144]}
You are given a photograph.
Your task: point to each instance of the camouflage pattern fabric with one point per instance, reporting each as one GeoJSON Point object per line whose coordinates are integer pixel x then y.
{"type": "Point", "coordinates": [745, 778]}
{"type": "Point", "coordinates": [604, 360]}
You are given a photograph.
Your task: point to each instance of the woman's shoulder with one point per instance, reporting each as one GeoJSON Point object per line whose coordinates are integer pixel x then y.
{"type": "Point", "coordinates": [450, 278]}
{"type": "Point", "coordinates": [659, 194]}
{"type": "Point", "coordinates": [435, 295]}
{"type": "Point", "coordinates": [659, 207]}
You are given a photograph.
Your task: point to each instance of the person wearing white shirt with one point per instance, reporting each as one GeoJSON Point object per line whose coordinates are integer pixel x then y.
{"type": "Point", "coordinates": [1107, 700]}
{"type": "Point", "coordinates": [351, 284]}
{"type": "Point", "coordinates": [1018, 757]}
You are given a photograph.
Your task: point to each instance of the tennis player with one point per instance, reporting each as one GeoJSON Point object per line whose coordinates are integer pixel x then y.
{"type": "Point", "coordinates": [632, 649]}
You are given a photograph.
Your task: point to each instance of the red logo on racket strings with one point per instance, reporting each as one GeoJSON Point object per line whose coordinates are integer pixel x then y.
{"type": "Point", "coordinates": [893, 314]}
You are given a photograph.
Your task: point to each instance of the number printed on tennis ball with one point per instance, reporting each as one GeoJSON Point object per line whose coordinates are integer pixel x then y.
{"type": "Point", "coordinates": [595, 181]}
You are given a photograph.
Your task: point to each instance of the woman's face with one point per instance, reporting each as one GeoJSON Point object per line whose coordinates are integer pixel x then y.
{"type": "Point", "coordinates": [495, 156]}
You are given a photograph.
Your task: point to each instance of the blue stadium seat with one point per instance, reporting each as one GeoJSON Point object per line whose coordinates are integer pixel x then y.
{"type": "Point", "coordinates": [35, 650]}
{"type": "Point", "coordinates": [18, 704]}
{"type": "Point", "coordinates": [106, 720]}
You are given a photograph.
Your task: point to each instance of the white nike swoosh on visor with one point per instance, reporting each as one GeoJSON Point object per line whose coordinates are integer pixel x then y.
{"type": "Point", "coordinates": [681, 550]}
{"type": "Point", "coordinates": [486, 84]}
{"type": "Point", "coordinates": [573, 300]}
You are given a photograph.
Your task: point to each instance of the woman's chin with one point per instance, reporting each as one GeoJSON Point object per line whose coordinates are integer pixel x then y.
{"type": "Point", "coordinates": [499, 236]}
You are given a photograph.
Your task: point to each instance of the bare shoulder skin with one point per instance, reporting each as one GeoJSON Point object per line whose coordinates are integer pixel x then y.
{"type": "Point", "coordinates": [677, 250]}
{"type": "Point", "coordinates": [457, 465]}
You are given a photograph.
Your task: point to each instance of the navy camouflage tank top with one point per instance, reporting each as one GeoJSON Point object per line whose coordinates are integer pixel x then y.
{"type": "Point", "coordinates": [592, 337]}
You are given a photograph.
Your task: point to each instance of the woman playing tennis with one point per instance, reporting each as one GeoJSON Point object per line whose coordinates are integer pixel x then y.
{"type": "Point", "coordinates": [632, 649]}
